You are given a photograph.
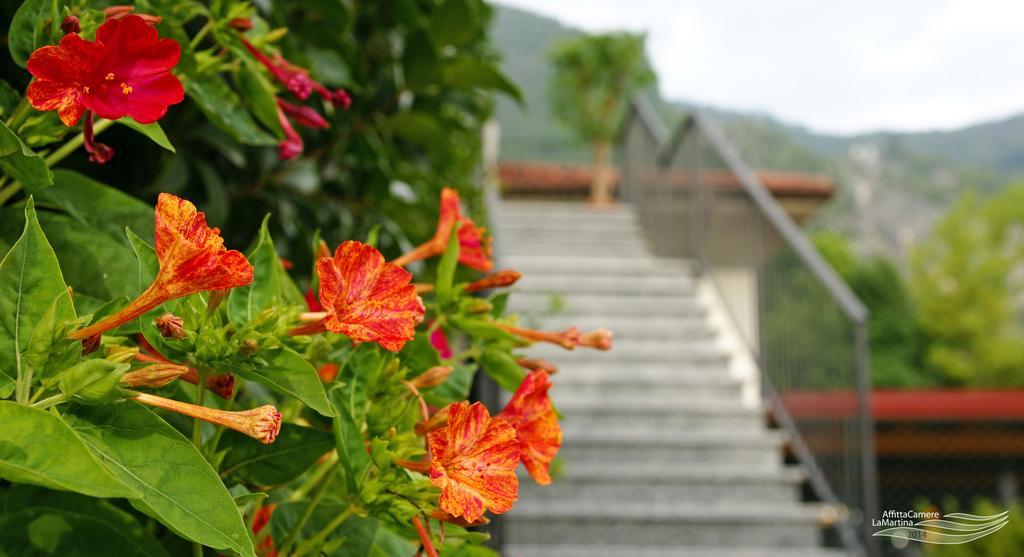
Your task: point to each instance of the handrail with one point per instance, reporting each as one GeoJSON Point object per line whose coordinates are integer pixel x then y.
{"type": "Point", "coordinates": [673, 201]}
{"type": "Point", "coordinates": [775, 214]}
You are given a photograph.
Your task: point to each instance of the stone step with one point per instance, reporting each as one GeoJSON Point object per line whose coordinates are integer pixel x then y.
{"type": "Point", "coordinates": [612, 394]}
{"type": "Point", "coordinates": [581, 420]}
{"type": "Point", "coordinates": [596, 284]}
{"type": "Point", "coordinates": [641, 523]}
{"type": "Point", "coordinates": [602, 265]}
{"type": "Point", "coordinates": [656, 448]}
{"type": "Point", "coordinates": [604, 484]}
{"type": "Point", "coordinates": [629, 327]}
{"type": "Point", "coordinates": [610, 550]}
{"type": "Point", "coordinates": [558, 212]}
{"type": "Point", "coordinates": [600, 232]}
{"type": "Point", "coordinates": [635, 352]}
{"type": "Point", "coordinates": [655, 375]}
{"type": "Point", "coordinates": [625, 251]}
{"type": "Point", "coordinates": [596, 305]}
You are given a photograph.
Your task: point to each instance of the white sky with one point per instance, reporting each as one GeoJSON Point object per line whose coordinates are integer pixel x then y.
{"type": "Point", "coordinates": [832, 65]}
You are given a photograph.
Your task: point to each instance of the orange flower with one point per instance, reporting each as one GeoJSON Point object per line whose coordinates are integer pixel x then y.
{"type": "Point", "coordinates": [367, 299]}
{"type": "Point", "coordinates": [536, 424]}
{"type": "Point", "coordinates": [474, 244]}
{"type": "Point", "coordinates": [568, 339]}
{"type": "Point", "coordinates": [474, 462]}
{"type": "Point", "coordinates": [192, 259]}
{"type": "Point", "coordinates": [504, 277]}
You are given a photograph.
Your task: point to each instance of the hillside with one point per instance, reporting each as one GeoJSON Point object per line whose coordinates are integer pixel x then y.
{"type": "Point", "coordinates": [892, 186]}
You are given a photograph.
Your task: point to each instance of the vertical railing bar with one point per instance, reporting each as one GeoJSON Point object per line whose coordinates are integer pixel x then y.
{"type": "Point", "coordinates": [869, 473]}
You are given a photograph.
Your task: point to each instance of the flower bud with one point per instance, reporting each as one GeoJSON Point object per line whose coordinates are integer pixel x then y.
{"type": "Point", "coordinates": [432, 377]}
{"type": "Point", "coordinates": [249, 347]}
{"type": "Point", "coordinates": [153, 376]}
{"type": "Point", "coordinates": [117, 12]}
{"type": "Point", "coordinates": [502, 278]}
{"type": "Point", "coordinates": [538, 363]}
{"type": "Point", "coordinates": [241, 24]}
{"type": "Point", "coordinates": [90, 344]}
{"type": "Point", "coordinates": [478, 306]}
{"type": "Point", "coordinates": [71, 25]}
{"type": "Point", "coordinates": [328, 372]}
{"type": "Point", "coordinates": [437, 421]}
{"type": "Point", "coordinates": [568, 339]}
{"type": "Point", "coordinates": [262, 423]}
{"type": "Point", "coordinates": [600, 339]}
{"type": "Point", "coordinates": [170, 326]}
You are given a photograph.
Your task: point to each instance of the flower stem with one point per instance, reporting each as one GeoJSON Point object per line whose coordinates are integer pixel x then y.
{"type": "Point", "coordinates": [201, 34]}
{"type": "Point", "coordinates": [74, 143]}
{"type": "Point", "coordinates": [318, 539]}
{"type": "Point", "coordinates": [304, 518]}
{"type": "Point", "coordinates": [197, 425]}
{"type": "Point", "coordinates": [19, 114]}
{"type": "Point", "coordinates": [50, 401]}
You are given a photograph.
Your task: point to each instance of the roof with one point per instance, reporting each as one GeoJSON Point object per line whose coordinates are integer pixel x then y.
{"type": "Point", "coordinates": [912, 405]}
{"type": "Point", "coordinates": [522, 177]}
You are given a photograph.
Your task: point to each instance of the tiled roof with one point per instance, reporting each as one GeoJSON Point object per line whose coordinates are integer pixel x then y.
{"type": "Point", "coordinates": [554, 178]}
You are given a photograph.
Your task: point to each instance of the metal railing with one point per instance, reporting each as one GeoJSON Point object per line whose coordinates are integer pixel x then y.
{"type": "Point", "coordinates": [804, 328]}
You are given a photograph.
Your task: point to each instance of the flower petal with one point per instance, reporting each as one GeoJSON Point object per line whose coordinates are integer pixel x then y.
{"type": "Point", "coordinates": [474, 460]}
{"type": "Point", "coordinates": [531, 413]}
{"type": "Point", "coordinates": [366, 298]}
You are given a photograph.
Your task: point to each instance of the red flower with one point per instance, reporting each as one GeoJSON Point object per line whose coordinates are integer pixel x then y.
{"type": "Point", "coordinates": [474, 462]}
{"type": "Point", "coordinates": [303, 115]}
{"type": "Point", "coordinates": [474, 245]}
{"type": "Point", "coordinates": [366, 298]}
{"type": "Point", "coordinates": [440, 343]}
{"type": "Point", "coordinates": [192, 259]}
{"type": "Point", "coordinates": [296, 79]}
{"type": "Point", "coordinates": [126, 71]}
{"type": "Point", "coordinates": [259, 522]}
{"type": "Point", "coordinates": [531, 414]}
{"type": "Point", "coordinates": [291, 146]}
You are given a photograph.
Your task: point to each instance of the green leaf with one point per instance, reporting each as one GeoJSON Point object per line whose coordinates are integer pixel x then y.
{"type": "Point", "coordinates": [30, 29]}
{"type": "Point", "coordinates": [36, 522]}
{"type": "Point", "coordinates": [101, 206]}
{"type": "Point", "coordinates": [369, 537]}
{"type": "Point", "coordinates": [503, 368]}
{"type": "Point", "coordinates": [43, 128]}
{"type": "Point", "coordinates": [419, 355]}
{"type": "Point", "coordinates": [93, 381]}
{"type": "Point", "coordinates": [285, 371]}
{"type": "Point", "coordinates": [9, 99]}
{"type": "Point", "coordinates": [225, 109]}
{"type": "Point", "coordinates": [94, 263]}
{"type": "Point", "coordinates": [420, 61]}
{"type": "Point", "coordinates": [148, 265]}
{"type": "Point", "coordinates": [271, 286]}
{"type": "Point", "coordinates": [153, 131]}
{"type": "Point", "coordinates": [259, 97]}
{"type": "Point", "coordinates": [473, 72]}
{"type": "Point", "coordinates": [38, 448]}
{"type": "Point", "coordinates": [351, 450]}
{"type": "Point", "coordinates": [292, 454]}
{"type": "Point", "coordinates": [30, 282]}
{"type": "Point", "coordinates": [177, 485]}
{"type": "Point", "coordinates": [454, 23]}
{"type": "Point", "coordinates": [446, 270]}
{"type": "Point", "coordinates": [22, 163]}
{"type": "Point", "coordinates": [422, 129]}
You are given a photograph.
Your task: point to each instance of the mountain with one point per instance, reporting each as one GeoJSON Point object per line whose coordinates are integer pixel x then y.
{"type": "Point", "coordinates": [891, 186]}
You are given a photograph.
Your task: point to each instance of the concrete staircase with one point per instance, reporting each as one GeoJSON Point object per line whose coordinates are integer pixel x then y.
{"type": "Point", "coordinates": [660, 456]}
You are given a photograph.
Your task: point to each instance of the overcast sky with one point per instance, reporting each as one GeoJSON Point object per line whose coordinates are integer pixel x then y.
{"type": "Point", "coordinates": [834, 66]}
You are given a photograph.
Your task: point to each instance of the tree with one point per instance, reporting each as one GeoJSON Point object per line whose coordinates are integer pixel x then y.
{"type": "Point", "coordinates": [593, 78]}
{"type": "Point", "coordinates": [967, 280]}
{"type": "Point", "coordinates": [895, 335]}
